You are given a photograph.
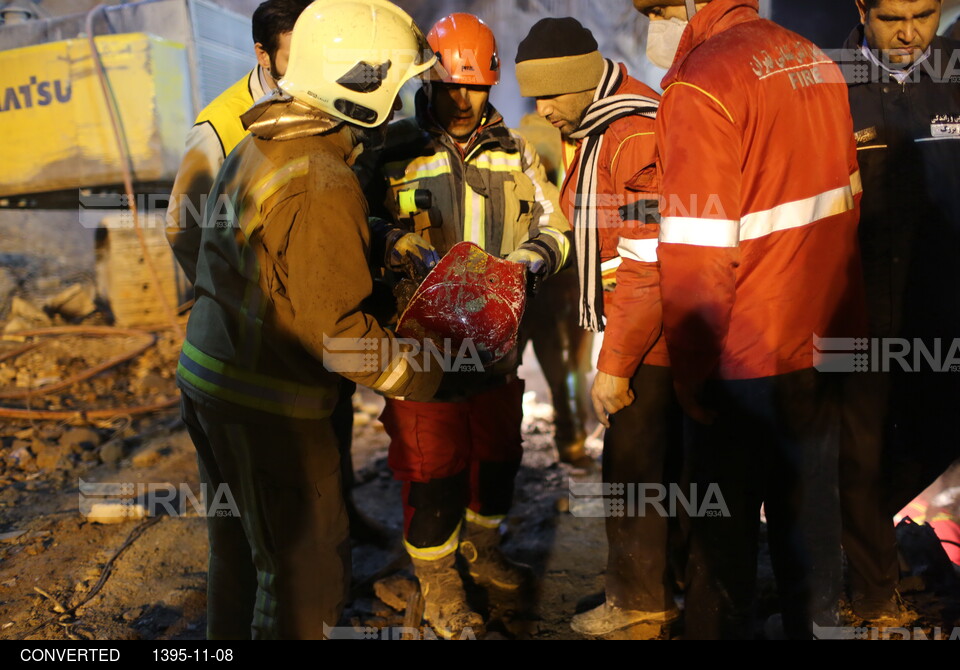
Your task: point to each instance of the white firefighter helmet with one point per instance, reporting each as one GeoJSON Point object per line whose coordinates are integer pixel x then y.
{"type": "Point", "coordinates": [349, 58]}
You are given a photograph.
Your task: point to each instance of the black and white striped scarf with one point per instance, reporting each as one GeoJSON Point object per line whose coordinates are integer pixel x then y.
{"type": "Point", "coordinates": [605, 109]}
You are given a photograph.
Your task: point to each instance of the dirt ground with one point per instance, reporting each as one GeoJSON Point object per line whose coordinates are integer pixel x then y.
{"type": "Point", "coordinates": [65, 576]}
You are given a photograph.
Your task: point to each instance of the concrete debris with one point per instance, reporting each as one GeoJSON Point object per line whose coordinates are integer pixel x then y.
{"type": "Point", "coordinates": [11, 536]}
{"type": "Point", "coordinates": [48, 455]}
{"type": "Point", "coordinates": [112, 452]}
{"type": "Point", "coordinates": [77, 439]}
{"type": "Point", "coordinates": [73, 303]}
{"type": "Point", "coordinates": [149, 455]}
{"type": "Point", "coordinates": [380, 609]}
{"type": "Point", "coordinates": [116, 512]}
{"type": "Point", "coordinates": [22, 457]}
{"type": "Point", "coordinates": [395, 591]}
{"type": "Point", "coordinates": [24, 316]}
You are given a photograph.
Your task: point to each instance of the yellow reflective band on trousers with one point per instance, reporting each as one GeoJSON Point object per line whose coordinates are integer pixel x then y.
{"type": "Point", "coordinates": [265, 609]}
{"type": "Point", "coordinates": [255, 391]}
{"type": "Point", "coordinates": [435, 553]}
{"type": "Point", "coordinates": [485, 521]}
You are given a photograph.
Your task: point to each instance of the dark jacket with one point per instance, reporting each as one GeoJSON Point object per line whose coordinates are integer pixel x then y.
{"type": "Point", "coordinates": [495, 193]}
{"type": "Point", "coordinates": [282, 275]}
{"type": "Point", "coordinates": [908, 141]}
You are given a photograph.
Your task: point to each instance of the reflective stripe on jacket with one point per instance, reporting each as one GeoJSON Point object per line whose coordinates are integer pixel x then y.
{"type": "Point", "coordinates": [496, 194]}
{"type": "Point", "coordinates": [758, 242]}
{"type": "Point", "coordinates": [281, 277]}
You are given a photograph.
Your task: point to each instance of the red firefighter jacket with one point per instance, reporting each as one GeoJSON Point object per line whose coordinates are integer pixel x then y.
{"type": "Point", "coordinates": [758, 243]}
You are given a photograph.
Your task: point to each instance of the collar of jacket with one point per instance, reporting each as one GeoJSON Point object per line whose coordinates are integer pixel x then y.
{"type": "Point", "coordinates": [494, 131]}
{"type": "Point", "coordinates": [941, 56]}
{"type": "Point", "coordinates": [280, 117]}
{"type": "Point", "coordinates": [255, 84]}
{"type": "Point", "coordinates": [710, 21]}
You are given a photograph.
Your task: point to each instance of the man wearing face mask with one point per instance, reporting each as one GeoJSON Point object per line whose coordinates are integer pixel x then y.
{"type": "Point", "coordinates": [758, 256]}
{"type": "Point", "coordinates": [665, 30]}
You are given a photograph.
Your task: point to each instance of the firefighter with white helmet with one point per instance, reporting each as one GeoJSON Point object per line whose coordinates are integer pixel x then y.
{"type": "Point", "coordinates": [455, 173]}
{"type": "Point", "coordinates": [281, 278]}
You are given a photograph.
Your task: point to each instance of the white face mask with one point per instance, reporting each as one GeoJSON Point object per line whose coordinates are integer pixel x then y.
{"type": "Point", "coordinates": [663, 40]}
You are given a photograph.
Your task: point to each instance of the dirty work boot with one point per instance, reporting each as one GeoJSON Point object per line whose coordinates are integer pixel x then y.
{"type": "Point", "coordinates": [445, 603]}
{"type": "Point", "coordinates": [480, 548]}
{"type": "Point", "coordinates": [607, 619]}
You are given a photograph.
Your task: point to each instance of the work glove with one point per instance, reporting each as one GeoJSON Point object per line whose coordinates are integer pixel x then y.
{"type": "Point", "coordinates": [536, 267]}
{"type": "Point", "coordinates": [411, 254]}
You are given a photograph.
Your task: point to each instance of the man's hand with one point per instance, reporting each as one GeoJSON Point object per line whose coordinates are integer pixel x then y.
{"type": "Point", "coordinates": [689, 398]}
{"type": "Point", "coordinates": [536, 267]}
{"type": "Point", "coordinates": [411, 248]}
{"type": "Point", "coordinates": [610, 395]}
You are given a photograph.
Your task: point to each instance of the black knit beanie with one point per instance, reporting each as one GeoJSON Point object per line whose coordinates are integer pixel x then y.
{"type": "Point", "coordinates": [558, 56]}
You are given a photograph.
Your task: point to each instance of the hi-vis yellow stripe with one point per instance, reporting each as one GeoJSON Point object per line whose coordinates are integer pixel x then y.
{"type": "Point", "coordinates": [435, 553]}
{"type": "Point", "coordinates": [499, 161]}
{"type": "Point", "coordinates": [474, 224]}
{"type": "Point", "coordinates": [272, 183]}
{"type": "Point", "coordinates": [563, 244]}
{"type": "Point", "coordinates": [249, 389]}
{"type": "Point", "coordinates": [485, 521]}
{"type": "Point", "coordinates": [423, 167]}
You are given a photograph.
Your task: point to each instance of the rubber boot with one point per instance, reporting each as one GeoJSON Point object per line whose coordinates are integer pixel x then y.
{"type": "Point", "coordinates": [480, 548]}
{"type": "Point", "coordinates": [445, 603]}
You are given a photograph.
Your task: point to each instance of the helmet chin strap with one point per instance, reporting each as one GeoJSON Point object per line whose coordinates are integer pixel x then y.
{"type": "Point", "coordinates": [691, 8]}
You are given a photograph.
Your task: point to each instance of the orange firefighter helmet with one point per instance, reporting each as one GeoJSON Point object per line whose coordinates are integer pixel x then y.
{"type": "Point", "coordinates": [467, 50]}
